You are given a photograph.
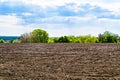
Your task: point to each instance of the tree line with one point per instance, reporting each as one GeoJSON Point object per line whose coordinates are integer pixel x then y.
{"type": "Point", "coordinates": [41, 36]}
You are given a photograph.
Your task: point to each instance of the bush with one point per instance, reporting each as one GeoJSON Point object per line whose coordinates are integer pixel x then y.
{"type": "Point", "coordinates": [35, 36]}
{"type": "Point", "coordinates": [108, 37]}
{"type": "Point", "coordinates": [50, 40]}
{"type": "Point", "coordinates": [25, 38]}
{"type": "Point", "coordinates": [64, 39]}
{"type": "Point", "coordinates": [2, 41]}
{"type": "Point", "coordinates": [55, 40]}
{"type": "Point", "coordinates": [39, 35]}
{"type": "Point", "coordinates": [78, 39]}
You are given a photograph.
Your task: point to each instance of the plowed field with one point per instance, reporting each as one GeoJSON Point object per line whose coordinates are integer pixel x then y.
{"type": "Point", "coordinates": [59, 61]}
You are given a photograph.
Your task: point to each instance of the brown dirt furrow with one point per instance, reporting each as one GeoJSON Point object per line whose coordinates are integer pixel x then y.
{"type": "Point", "coordinates": [60, 61]}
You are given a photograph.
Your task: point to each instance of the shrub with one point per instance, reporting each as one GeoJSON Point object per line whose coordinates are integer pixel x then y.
{"type": "Point", "coordinates": [108, 37]}
{"type": "Point", "coordinates": [2, 41]}
{"type": "Point", "coordinates": [35, 36]}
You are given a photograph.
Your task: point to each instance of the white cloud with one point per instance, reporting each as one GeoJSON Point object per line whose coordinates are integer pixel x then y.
{"type": "Point", "coordinates": [10, 25]}
{"type": "Point", "coordinates": [62, 2]}
{"type": "Point", "coordinates": [80, 25]}
{"type": "Point", "coordinates": [112, 5]}
{"type": "Point", "coordinates": [9, 19]}
{"type": "Point", "coordinates": [27, 14]}
{"type": "Point", "coordinates": [75, 31]}
{"type": "Point", "coordinates": [61, 25]}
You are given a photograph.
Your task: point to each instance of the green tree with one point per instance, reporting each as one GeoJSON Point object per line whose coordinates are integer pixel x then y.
{"type": "Point", "coordinates": [78, 39]}
{"type": "Point", "coordinates": [64, 39]}
{"type": "Point", "coordinates": [50, 40]}
{"type": "Point", "coordinates": [91, 39]}
{"type": "Point", "coordinates": [87, 39]}
{"type": "Point", "coordinates": [2, 41]}
{"type": "Point", "coordinates": [39, 35]}
{"type": "Point", "coordinates": [36, 36]}
{"type": "Point", "coordinates": [55, 39]}
{"type": "Point", "coordinates": [72, 39]}
{"type": "Point", "coordinates": [108, 37]}
{"type": "Point", "coordinates": [118, 39]}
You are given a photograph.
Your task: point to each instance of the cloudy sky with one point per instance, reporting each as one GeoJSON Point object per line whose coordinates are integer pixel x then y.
{"type": "Point", "coordinates": [59, 17]}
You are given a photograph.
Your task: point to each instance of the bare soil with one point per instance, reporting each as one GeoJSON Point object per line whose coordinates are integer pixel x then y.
{"type": "Point", "coordinates": [60, 61]}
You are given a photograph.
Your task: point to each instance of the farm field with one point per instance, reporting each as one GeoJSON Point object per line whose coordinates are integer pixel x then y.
{"type": "Point", "coordinates": [59, 61]}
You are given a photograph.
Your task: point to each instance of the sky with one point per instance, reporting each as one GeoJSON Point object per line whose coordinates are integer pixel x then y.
{"type": "Point", "coordinates": [59, 17]}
